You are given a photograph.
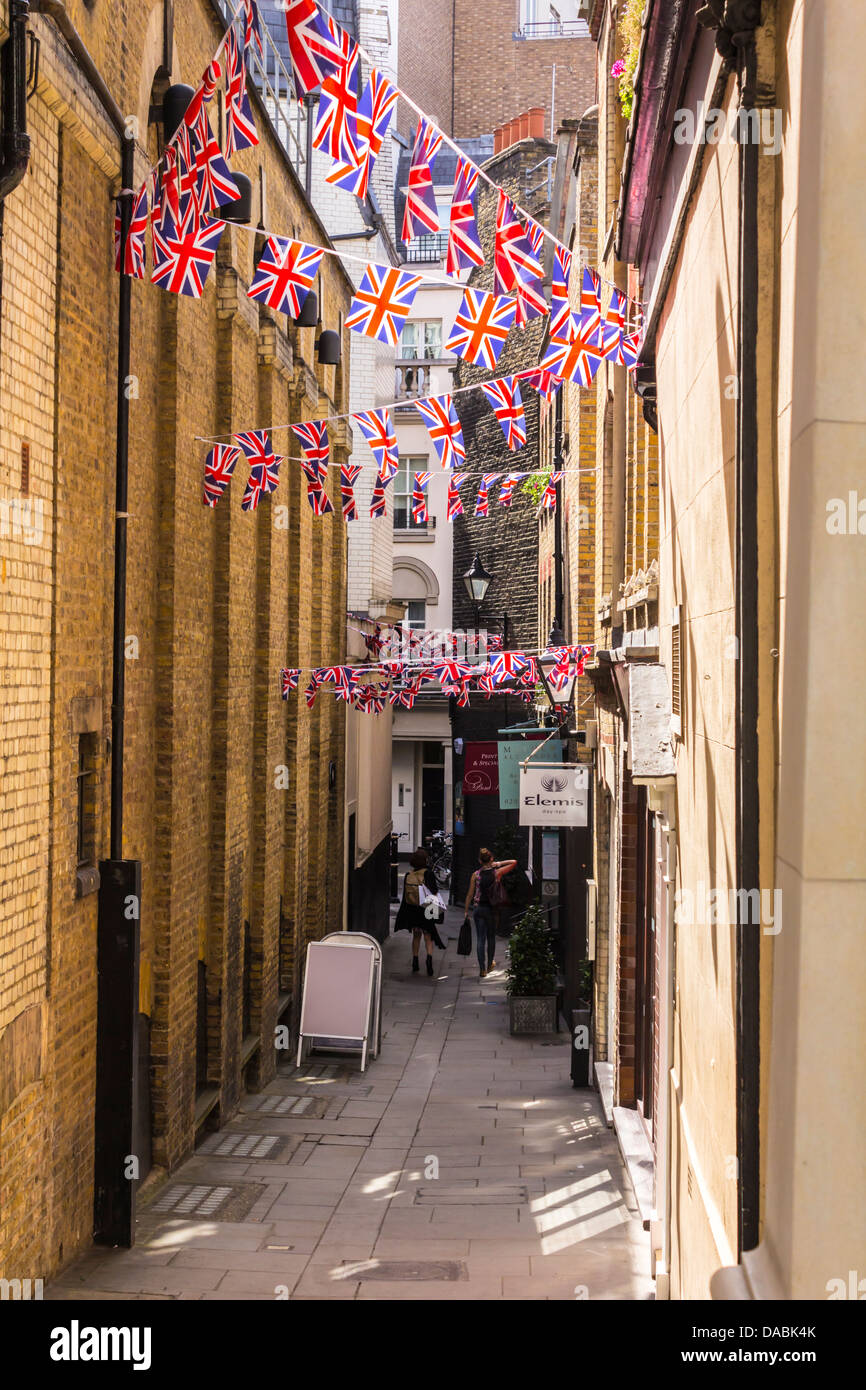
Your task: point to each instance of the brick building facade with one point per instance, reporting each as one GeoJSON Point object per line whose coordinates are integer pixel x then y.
{"type": "Point", "coordinates": [233, 799]}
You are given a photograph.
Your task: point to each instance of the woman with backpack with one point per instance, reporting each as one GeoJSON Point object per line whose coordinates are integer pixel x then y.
{"type": "Point", "coordinates": [411, 915]}
{"type": "Point", "coordinates": [487, 894]}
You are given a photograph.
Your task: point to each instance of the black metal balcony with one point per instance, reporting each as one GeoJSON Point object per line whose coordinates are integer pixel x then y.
{"type": "Point", "coordinates": [427, 249]}
{"type": "Point", "coordinates": [553, 29]}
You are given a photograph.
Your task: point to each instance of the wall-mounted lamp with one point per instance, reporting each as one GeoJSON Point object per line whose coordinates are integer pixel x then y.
{"type": "Point", "coordinates": [329, 348]}
{"type": "Point", "coordinates": [309, 315]}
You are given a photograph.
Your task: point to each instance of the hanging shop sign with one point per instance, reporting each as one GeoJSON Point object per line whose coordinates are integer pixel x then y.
{"type": "Point", "coordinates": [512, 752]}
{"type": "Point", "coordinates": [481, 769]}
{"type": "Point", "coordinates": [554, 795]}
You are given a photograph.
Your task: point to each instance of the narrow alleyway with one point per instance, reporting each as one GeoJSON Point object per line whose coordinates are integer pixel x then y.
{"type": "Point", "coordinates": [462, 1164]}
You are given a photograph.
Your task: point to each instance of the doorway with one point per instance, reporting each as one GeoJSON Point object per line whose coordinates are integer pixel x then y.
{"type": "Point", "coordinates": [432, 789]}
{"type": "Point", "coordinates": [645, 972]}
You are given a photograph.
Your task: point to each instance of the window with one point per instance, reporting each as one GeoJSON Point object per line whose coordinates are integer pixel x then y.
{"type": "Point", "coordinates": [421, 339]}
{"type": "Point", "coordinates": [416, 614]}
{"type": "Point", "coordinates": [404, 483]}
{"type": "Point", "coordinates": [676, 673]}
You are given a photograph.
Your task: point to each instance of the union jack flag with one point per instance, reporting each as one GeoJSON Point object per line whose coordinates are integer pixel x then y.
{"type": "Point", "coordinates": [218, 469]}
{"type": "Point", "coordinates": [455, 505]}
{"type": "Point", "coordinates": [451, 675]}
{"type": "Point", "coordinates": [487, 481]}
{"type": "Point", "coordinates": [506, 492]}
{"type": "Point", "coordinates": [419, 498]}
{"type": "Point", "coordinates": [253, 26]}
{"type": "Point", "coordinates": [545, 383]}
{"type": "Point", "coordinates": [135, 251]}
{"type": "Point", "coordinates": [348, 474]}
{"type": "Point", "coordinates": [481, 327]}
{"type": "Point", "coordinates": [613, 328]}
{"type": "Point", "coordinates": [630, 347]}
{"type": "Point", "coordinates": [578, 359]}
{"type": "Point", "coordinates": [504, 395]}
{"type": "Point", "coordinates": [379, 433]}
{"type": "Point", "coordinates": [345, 679]}
{"type": "Point", "coordinates": [171, 181]}
{"type": "Point", "coordinates": [210, 77]}
{"type": "Point", "coordinates": [183, 254]}
{"type": "Point", "coordinates": [508, 666]}
{"type": "Point", "coordinates": [590, 307]}
{"type": "Point", "coordinates": [514, 261]}
{"type": "Point", "coordinates": [420, 213]}
{"type": "Point", "coordinates": [338, 104]}
{"type": "Point", "coordinates": [214, 183]}
{"type": "Point", "coordinates": [312, 690]}
{"type": "Point", "coordinates": [240, 127]}
{"type": "Point", "coordinates": [443, 428]}
{"type": "Point", "coordinates": [369, 129]}
{"type": "Point", "coordinates": [264, 467]}
{"type": "Point", "coordinates": [285, 274]}
{"type": "Point", "coordinates": [314, 444]}
{"type": "Point", "coordinates": [560, 674]}
{"type": "Point", "coordinates": [464, 246]}
{"type": "Point", "coordinates": [531, 303]}
{"type": "Point", "coordinates": [382, 303]}
{"type": "Point", "coordinates": [387, 470]}
{"type": "Point", "coordinates": [315, 50]}
{"type": "Point", "coordinates": [560, 310]}
{"type": "Point", "coordinates": [289, 677]}
{"type": "Point", "coordinates": [548, 500]}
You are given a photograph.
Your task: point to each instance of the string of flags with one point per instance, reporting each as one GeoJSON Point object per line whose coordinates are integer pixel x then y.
{"type": "Point", "coordinates": [385, 635]}
{"type": "Point", "coordinates": [401, 682]}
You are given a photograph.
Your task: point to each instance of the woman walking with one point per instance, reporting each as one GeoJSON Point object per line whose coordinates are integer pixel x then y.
{"type": "Point", "coordinates": [411, 914]}
{"type": "Point", "coordinates": [483, 894]}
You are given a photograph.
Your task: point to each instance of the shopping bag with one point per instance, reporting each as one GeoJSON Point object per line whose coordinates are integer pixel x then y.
{"type": "Point", "coordinates": [464, 940]}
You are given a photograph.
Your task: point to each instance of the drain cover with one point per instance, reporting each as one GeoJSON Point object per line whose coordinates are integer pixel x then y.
{"type": "Point", "coordinates": [403, 1271]}
{"type": "Point", "coordinates": [486, 1194]}
{"type": "Point", "coordinates": [311, 1106]}
{"type": "Point", "coordinates": [209, 1202]}
{"type": "Point", "coordinates": [258, 1146]}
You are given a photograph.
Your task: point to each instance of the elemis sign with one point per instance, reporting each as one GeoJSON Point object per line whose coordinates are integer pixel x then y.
{"type": "Point", "coordinates": [554, 795]}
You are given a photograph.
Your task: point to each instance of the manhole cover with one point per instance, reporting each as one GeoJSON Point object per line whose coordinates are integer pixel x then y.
{"type": "Point", "coordinates": [486, 1194]}
{"type": "Point", "coordinates": [291, 1105]}
{"type": "Point", "coordinates": [404, 1271]}
{"type": "Point", "coordinates": [209, 1202]}
{"type": "Point", "coordinates": [252, 1146]}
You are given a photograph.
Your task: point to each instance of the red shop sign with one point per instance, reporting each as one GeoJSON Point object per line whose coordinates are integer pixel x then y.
{"type": "Point", "coordinates": [481, 769]}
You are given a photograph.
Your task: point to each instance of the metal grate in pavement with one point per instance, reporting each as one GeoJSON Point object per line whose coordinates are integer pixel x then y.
{"type": "Point", "coordinates": [507, 1194]}
{"type": "Point", "coordinates": [403, 1271]}
{"type": "Point", "coordinates": [290, 1105]}
{"type": "Point", "coordinates": [244, 1145]}
{"type": "Point", "coordinates": [204, 1201]}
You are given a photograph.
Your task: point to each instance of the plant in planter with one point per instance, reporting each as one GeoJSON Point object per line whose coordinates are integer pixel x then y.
{"type": "Point", "coordinates": [531, 975]}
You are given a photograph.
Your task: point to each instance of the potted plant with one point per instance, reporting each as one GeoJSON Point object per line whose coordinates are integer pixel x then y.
{"type": "Point", "coordinates": [531, 975]}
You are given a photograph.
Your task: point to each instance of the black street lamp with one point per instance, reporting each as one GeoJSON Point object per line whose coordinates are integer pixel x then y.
{"type": "Point", "coordinates": [561, 693]}
{"type": "Point", "coordinates": [477, 582]}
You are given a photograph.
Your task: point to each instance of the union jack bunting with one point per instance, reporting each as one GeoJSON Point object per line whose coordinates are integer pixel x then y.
{"type": "Point", "coordinates": [264, 467]}
{"type": "Point", "coordinates": [210, 77]}
{"type": "Point", "coordinates": [507, 666]}
{"type": "Point", "coordinates": [419, 498]}
{"type": "Point", "coordinates": [387, 471]}
{"type": "Point", "coordinates": [171, 181]}
{"type": "Point", "coordinates": [289, 677]}
{"type": "Point", "coordinates": [487, 481]}
{"type": "Point", "coordinates": [312, 689]}
{"type": "Point", "coordinates": [253, 26]}
{"type": "Point", "coordinates": [630, 347]}
{"type": "Point", "coordinates": [241, 130]}
{"type": "Point", "coordinates": [338, 104]}
{"type": "Point", "coordinates": [451, 675]}
{"type": "Point", "coordinates": [481, 327]}
{"type": "Point", "coordinates": [530, 675]}
{"type": "Point", "coordinates": [514, 261]}
{"type": "Point", "coordinates": [590, 306]}
{"type": "Point", "coordinates": [183, 254]}
{"type": "Point", "coordinates": [314, 45]}
{"type": "Point", "coordinates": [561, 672]}
{"type": "Point", "coordinates": [285, 274]}
{"type": "Point", "coordinates": [504, 395]}
{"type": "Point", "coordinates": [382, 303]}
{"type": "Point", "coordinates": [531, 303]}
{"type": "Point", "coordinates": [613, 328]}
{"type": "Point", "coordinates": [506, 492]}
{"type": "Point", "coordinates": [443, 428]}
{"type": "Point", "coordinates": [545, 383]}
{"type": "Point", "coordinates": [344, 679]}
{"type": "Point", "coordinates": [374, 641]}
{"type": "Point", "coordinates": [560, 309]}
{"type": "Point", "coordinates": [218, 469]}
{"type": "Point", "coordinates": [579, 656]}
{"type": "Point", "coordinates": [420, 212]}
{"type": "Point", "coordinates": [455, 504]}
{"type": "Point", "coordinates": [379, 433]}
{"type": "Point", "coordinates": [464, 246]}
{"type": "Point", "coordinates": [135, 252]}
{"type": "Point", "coordinates": [577, 359]}
{"type": "Point", "coordinates": [370, 126]}
{"type": "Point", "coordinates": [548, 500]}
{"type": "Point", "coordinates": [214, 182]}
{"type": "Point", "coordinates": [314, 444]}
{"type": "Point", "coordinates": [348, 474]}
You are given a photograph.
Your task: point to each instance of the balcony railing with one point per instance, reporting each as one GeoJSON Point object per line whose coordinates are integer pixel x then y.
{"type": "Point", "coordinates": [553, 29]}
{"type": "Point", "coordinates": [426, 249]}
{"type": "Point", "coordinates": [414, 377]}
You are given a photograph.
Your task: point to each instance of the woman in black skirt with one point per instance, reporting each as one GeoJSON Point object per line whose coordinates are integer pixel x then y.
{"type": "Point", "coordinates": [411, 916]}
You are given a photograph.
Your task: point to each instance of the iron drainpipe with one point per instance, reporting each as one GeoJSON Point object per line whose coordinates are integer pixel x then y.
{"type": "Point", "coordinates": [15, 147]}
{"type": "Point", "coordinates": [59, 14]}
{"type": "Point", "coordinates": [748, 859]}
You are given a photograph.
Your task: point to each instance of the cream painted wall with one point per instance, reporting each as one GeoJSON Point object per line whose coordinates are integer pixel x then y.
{"type": "Point", "coordinates": [695, 352]}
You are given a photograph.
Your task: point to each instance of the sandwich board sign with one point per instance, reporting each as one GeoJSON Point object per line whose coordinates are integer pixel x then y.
{"type": "Point", "coordinates": [339, 995]}
{"type": "Point", "coordinates": [554, 794]}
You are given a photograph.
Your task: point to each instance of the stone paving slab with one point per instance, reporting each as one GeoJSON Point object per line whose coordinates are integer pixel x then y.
{"type": "Point", "coordinates": [531, 1201]}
